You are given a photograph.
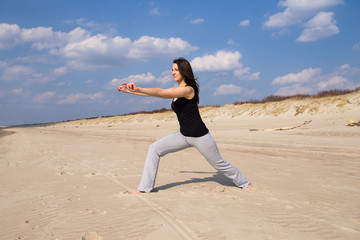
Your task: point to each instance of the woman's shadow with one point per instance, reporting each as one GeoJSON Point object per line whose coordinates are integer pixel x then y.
{"type": "Point", "coordinates": [217, 177]}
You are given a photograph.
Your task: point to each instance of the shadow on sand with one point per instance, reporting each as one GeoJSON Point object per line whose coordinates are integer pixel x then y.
{"type": "Point", "coordinates": [217, 177]}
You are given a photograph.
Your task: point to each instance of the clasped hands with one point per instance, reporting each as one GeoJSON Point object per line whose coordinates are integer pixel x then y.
{"type": "Point", "coordinates": [128, 88]}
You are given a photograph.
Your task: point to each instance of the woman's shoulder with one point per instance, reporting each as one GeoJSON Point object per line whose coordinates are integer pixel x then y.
{"type": "Point", "coordinates": [191, 94]}
{"type": "Point", "coordinates": [188, 86]}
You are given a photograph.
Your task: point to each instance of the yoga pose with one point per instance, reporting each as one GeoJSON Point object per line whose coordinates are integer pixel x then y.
{"type": "Point", "coordinates": [193, 132]}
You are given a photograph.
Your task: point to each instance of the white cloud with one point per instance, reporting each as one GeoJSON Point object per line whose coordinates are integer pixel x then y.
{"type": "Point", "coordinates": [298, 10]}
{"type": "Point", "coordinates": [333, 82]}
{"type": "Point", "coordinates": [305, 75]}
{"type": "Point", "coordinates": [97, 51]}
{"type": "Point", "coordinates": [197, 21]}
{"type": "Point", "coordinates": [9, 35]}
{"type": "Point", "coordinates": [3, 64]}
{"type": "Point", "coordinates": [321, 26]}
{"type": "Point", "coordinates": [38, 34]}
{"type": "Point", "coordinates": [89, 81]}
{"type": "Point", "coordinates": [80, 98]}
{"type": "Point", "coordinates": [356, 46]}
{"type": "Point", "coordinates": [344, 66]}
{"type": "Point", "coordinates": [84, 51]}
{"type": "Point", "coordinates": [56, 40]}
{"type": "Point", "coordinates": [88, 23]}
{"type": "Point", "coordinates": [281, 32]}
{"type": "Point", "coordinates": [346, 69]}
{"type": "Point", "coordinates": [101, 51]}
{"type": "Point", "coordinates": [154, 11]}
{"type": "Point", "coordinates": [17, 72]}
{"type": "Point", "coordinates": [137, 79]}
{"type": "Point", "coordinates": [245, 74]}
{"type": "Point", "coordinates": [18, 92]}
{"type": "Point", "coordinates": [143, 78]}
{"type": "Point", "coordinates": [224, 61]}
{"type": "Point", "coordinates": [165, 77]}
{"type": "Point", "coordinates": [150, 47]}
{"type": "Point", "coordinates": [60, 71]}
{"type": "Point", "coordinates": [44, 97]}
{"type": "Point", "coordinates": [41, 37]}
{"type": "Point", "coordinates": [251, 92]}
{"type": "Point", "coordinates": [28, 75]}
{"type": "Point", "coordinates": [21, 92]}
{"type": "Point", "coordinates": [244, 23]}
{"type": "Point", "coordinates": [144, 101]}
{"type": "Point", "coordinates": [221, 61]}
{"type": "Point", "coordinates": [231, 42]}
{"type": "Point", "coordinates": [311, 81]}
{"type": "Point", "coordinates": [83, 22]}
{"type": "Point", "coordinates": [294, 90]}
{"type": "Point", "coordinates": [227, 89]}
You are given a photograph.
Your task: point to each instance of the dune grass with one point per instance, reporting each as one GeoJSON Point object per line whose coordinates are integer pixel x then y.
{"type": "Point", "coordinates": [276, 98]}
{"type": "Point", "coordinates": [272, 98]}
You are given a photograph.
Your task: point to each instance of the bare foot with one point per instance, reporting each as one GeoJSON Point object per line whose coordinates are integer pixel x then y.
{"type": "Point", "coordinates": [248, 187]}
{"type": "Point", "coordinates": [138, 192]}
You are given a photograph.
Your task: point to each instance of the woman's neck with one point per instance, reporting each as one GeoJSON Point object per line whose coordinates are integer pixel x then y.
{"type": "Point", "coordinates": [182, 83]}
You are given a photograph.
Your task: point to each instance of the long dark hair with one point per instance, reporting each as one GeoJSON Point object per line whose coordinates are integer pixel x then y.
{"type": "Point", "coordinates": [187, 72]}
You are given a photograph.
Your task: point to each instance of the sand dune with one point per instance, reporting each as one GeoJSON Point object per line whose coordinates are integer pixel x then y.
{"type": "Point", "coordinates": [290, 108]}
{"type": "Point", "coordinates": [72, 180]}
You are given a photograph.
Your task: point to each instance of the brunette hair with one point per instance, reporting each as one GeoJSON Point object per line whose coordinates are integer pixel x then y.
{"type": "Point", "coordinates": [187, 72]}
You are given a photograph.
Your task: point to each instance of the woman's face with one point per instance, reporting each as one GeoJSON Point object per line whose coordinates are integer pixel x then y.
{"type": "Point", "coordinates": [176, 73]}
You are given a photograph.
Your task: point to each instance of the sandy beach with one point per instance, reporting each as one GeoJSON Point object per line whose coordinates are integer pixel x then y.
{"type": "Point", "coordinates": [66, 180]}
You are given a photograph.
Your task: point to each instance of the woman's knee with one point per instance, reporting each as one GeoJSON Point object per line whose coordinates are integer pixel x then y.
{"type": "Point", "coordinates": [153, 147]}
{"type": "Point", "coordinates": [156, 148]}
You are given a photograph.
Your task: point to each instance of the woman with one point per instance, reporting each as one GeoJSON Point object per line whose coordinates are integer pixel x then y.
{"type": "Point", "coordinates": [193, 132]}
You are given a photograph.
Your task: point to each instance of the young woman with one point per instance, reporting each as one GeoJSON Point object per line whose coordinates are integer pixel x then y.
{"type": "Point", "coordinates": [193, 132]}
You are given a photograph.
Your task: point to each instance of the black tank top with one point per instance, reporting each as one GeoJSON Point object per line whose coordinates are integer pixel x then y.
{"type": "Point", "coordinates": [187, 112]}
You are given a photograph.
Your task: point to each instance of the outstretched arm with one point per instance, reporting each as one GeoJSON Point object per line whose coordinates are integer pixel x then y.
{"type": "Point", "coordinates": [187, 92]}
{"type": "Point", "coordinates": [123, 88]}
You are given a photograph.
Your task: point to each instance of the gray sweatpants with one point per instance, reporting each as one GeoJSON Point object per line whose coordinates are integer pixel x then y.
{"type": "Point", "coordinates": [175, 142]}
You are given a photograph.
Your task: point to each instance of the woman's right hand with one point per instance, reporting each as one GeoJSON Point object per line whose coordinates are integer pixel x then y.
{"type": "Point", "coordinates": [123, 88]}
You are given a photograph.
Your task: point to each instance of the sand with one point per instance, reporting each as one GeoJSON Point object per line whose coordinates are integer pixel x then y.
{"type": "Point", "coordinates": [73, 180]}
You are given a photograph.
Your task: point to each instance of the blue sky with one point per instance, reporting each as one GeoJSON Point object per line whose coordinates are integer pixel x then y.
{"type": "Point", "coordinates": [62, 60]}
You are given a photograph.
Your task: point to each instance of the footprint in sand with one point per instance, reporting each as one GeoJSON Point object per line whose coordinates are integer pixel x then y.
{"type": "Point", "coordinates": [73, 198]}
{"type": "Point", "coordinates": [122, 193]}
{"type": "Point", "coordinates": [96, 211]}
{"type": "Point", "coordinates": [63, 173]}
{"type": "Point", "coordinates": [34, 227]}
{"type": "Point", "coordinates": [220, 189]}
{"type": "Point", "coordinates": [92, 174]}
{"type": "Point", "coordinates": [91, 236]}
{"type": "Point", "coordinates": [13, 164]}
